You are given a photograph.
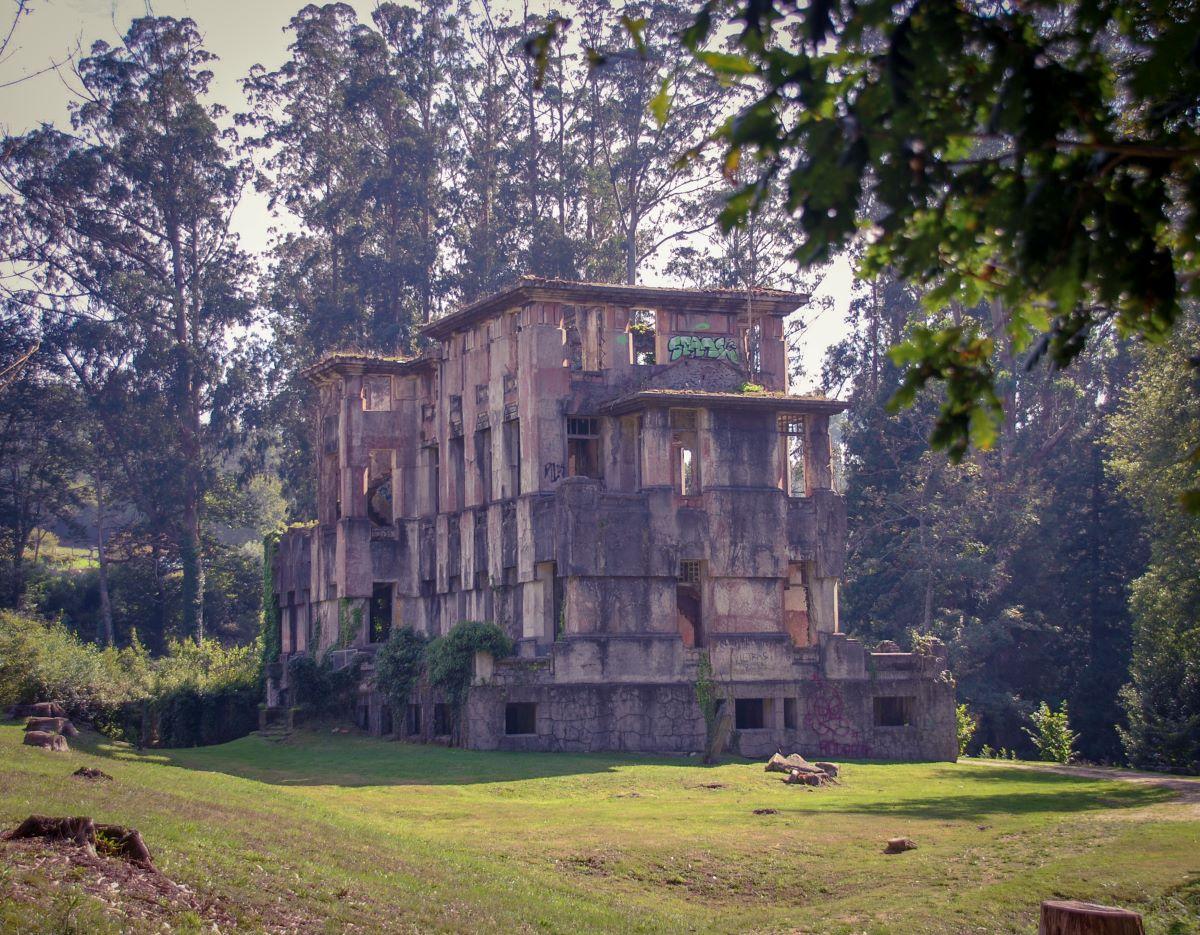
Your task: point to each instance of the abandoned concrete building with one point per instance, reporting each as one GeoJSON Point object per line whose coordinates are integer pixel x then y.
{"type": "Point", "coordinates": [618, 477]}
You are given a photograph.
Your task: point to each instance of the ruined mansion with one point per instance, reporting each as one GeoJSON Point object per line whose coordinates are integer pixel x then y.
{"type": "Point", "coordinates": [618, 477]}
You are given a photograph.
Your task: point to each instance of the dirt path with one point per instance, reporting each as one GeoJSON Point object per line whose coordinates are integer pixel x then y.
{"type": "Point", "coordinates": [1187, 789]}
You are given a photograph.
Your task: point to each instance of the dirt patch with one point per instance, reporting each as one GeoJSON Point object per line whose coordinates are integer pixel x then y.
{"type": "Point", "coordinates": [128, 893]}
{"type": "Point", "coordinates": [1188, 790]}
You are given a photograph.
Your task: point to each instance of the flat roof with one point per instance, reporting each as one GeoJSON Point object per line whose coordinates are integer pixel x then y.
{"type": "Point", "coordinates": [666, 298]}
{"type": "Point", "coordinates": [779, 402]}
{"type": "Point", "coordinates": [338, 363]}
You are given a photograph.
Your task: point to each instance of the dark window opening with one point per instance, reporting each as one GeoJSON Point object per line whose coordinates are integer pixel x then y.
{"type": "Point", "coordinates": [685, 452]}
{"type": "Point", "coordinates": [458, 466]}
{"type": "Point", "coordinates": [689, 618]}
{"type": "Point", "coordinates": [435, 493]}
{"type": "Point", "coordinates": [641, 336]}
{"type": "Point", "coordinates": [441, 720]}
{"type": "Point", "coordinates": [483, 459]}
{"type": "Point", "coordinates": [748, 714]}
{"type": "Point", "coordinates": [583, 448]}
{"type": "Point", "coordinates": [291, 614]}
{"type": "Point", "coordinates": [893, 711]}
{"type": "Point", "coordinates": [512, 452]}
{"type": "Point", "coordinates": [279, 623]}
{"type": "Point", "coordinates": [520, 718]}
{"type": "Point", "coordinates": [381, 612]}
{"type": "Point", "coordinates": [385, 720]}
{"type": "Point", "coordinates": [413, 720]}
{"type": "Point", "coordinates": [362, 716]}
{"type": "Point", "coordinates": [789, 713]}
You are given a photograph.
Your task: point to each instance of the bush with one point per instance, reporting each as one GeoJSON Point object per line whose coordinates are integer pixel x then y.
{"type": "Point", "coordinates": [41, 661]}
{"type": "Point", "coordinates": [966, 723]}
{"type": "Point", "coordinates": [1052, 734]}
{"type": "Point", "coordinates": [196, 694]}
{"type": "Point", "coordinates": [321, 689]}
{"type": "Point", "coordinates": [451, 658]}
{"type": "Point", "coordinates": [398, 666]}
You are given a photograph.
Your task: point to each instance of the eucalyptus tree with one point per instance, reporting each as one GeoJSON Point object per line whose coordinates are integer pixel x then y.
{"type": "Point", "coordinates": [121, 224]}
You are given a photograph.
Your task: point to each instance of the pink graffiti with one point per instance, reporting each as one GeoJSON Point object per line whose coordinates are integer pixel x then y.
{"type": "Point", "coordinates": [826, 718]}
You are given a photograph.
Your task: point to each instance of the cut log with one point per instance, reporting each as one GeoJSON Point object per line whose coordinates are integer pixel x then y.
{"type": "Point", "coordinates": [46, 740]}
{"type": "Point", "coordinates": [899, 845]}
{"type": "Point", "coordinates": [52, 725]}
{"type": "Point", "coordinates": [109, 840]}
{"type": "Point", "coordinates": [829, 769]}
{"type": "Point", "coordinates": [1071, 917]}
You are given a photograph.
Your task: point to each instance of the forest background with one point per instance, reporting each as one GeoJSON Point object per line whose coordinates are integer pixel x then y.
{"type": "Point", "coordinates": [153, 424]}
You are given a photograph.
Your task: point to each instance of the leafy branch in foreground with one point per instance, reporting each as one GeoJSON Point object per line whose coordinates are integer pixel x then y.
{"type": "Point", "coordinates": [1042, 155]}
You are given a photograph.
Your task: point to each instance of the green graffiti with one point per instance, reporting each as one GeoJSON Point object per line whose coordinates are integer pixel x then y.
{"type": "Point", "coordinates": [702, 346]}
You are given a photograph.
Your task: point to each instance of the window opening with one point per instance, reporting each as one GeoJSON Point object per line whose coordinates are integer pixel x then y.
{"type": "Point", "coordinates": [512, 453]}
{"type": "Point", "coordinates": [377, 394]}
{"type": "Point", "coordinates": [748, 714]}
{"type": "Point", "coordinates": [583, 447]}
{"type": "Point", "coordinates": [688, 606]}
{"type": "Point", "coordinates": [483, 459]}
{"type": "Point", "coordinates": [893, 711]}
{"type": "Point", "coordinates": [685, 452]}
{"type": "Point", "coordinates": [378, 483]}
{"type": "Point", "coordinates": [642, 326]}
{"type": "Point", "coordinates": [413, 720]}
{"type": "Point", "coordinates": [789, 713]}
{"type": "Point", "coordinates": [520, 718]}
{"type": "Point", "coordinates": [435, 493]}
{"type": "Point", "coordinates": [291, 612]}
{"type": "Point", "coordinates": [573, 342]}
{"type": "Point", "coordinates": [458, 466]}
{"type": "Point", "coordinates": [791, 428]}
{"type": "Point", "coordinates": [441, 720]}
{"type": "Point", "coordinates": [381, 612]}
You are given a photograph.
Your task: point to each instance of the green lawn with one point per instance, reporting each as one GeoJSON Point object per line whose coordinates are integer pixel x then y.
{"type": "Point", "coordinates": [343, 832]}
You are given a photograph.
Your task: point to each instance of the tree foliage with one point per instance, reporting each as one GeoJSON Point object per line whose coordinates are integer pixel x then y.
{"type": "Point", "coordinates": [121, 226]}
{"type": "Point", "coordinates": [1152, 459]}
{"type": "Point", "coordinates": [1041, 156]}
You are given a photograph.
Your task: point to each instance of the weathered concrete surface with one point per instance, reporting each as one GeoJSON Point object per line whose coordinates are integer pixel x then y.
{"type": "Point", "coordinates": [617, 515]}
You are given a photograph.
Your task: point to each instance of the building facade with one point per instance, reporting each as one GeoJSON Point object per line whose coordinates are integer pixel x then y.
{"type": "Point", "coordinates": [618, 477]}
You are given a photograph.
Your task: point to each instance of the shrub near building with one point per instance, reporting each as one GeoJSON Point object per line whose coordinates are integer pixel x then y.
{"type": "Point", "coordinates": [196, 694]}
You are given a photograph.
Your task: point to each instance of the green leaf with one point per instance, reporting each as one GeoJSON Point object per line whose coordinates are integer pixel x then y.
{"type": "Point", "coordinates": [660, 104]}
{"type": "Point", "coordinates": [726, 64]}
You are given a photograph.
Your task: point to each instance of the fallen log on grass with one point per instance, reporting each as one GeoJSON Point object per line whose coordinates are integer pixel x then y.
{"type": "Point", "coordinates": [107, 840]}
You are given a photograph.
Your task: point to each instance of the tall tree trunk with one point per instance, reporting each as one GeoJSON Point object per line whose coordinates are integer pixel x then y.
{"type": "Point", "coordinates": [106, 620]}
{"type": "Point", "coordinates": [187, 414]}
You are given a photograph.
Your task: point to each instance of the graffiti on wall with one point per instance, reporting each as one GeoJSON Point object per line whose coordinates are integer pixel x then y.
{"type": "Point", "coordinates": [826, 717]}
{"type": "Point", "coordinates": [554, 472]}
{"type": "Point", "coordinates": [698, 346]}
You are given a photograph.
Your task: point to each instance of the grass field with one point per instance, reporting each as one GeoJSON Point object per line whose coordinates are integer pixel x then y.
{"type": "Point", "coordinates": [336, 832]}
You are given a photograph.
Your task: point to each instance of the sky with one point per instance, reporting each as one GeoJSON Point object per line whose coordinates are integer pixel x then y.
{"type": "Point", "coordinates": [242, 33]}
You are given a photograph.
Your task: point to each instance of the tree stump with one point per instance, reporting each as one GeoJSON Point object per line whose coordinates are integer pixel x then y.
{"type": "Point", "coordinates": [109, 840]}
{"type": "Point", "coordinates": [1071, 917]}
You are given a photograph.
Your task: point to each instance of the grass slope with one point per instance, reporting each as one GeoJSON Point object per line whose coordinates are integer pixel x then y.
{"type": "Point", "coordinates": [337, 833]}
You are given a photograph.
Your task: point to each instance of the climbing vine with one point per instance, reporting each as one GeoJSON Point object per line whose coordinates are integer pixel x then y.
{"type": "Point", "coordinates": [269, 615]}
{"type": "Point", "coordinates": [450, 659]}
{"type": "Point", "coordinates": [398, 666]}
